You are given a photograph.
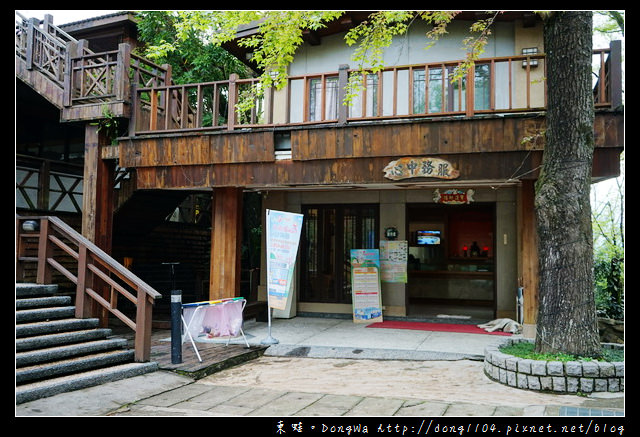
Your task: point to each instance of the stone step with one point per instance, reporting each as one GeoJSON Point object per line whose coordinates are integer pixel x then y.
{"type": "Point", "coordinates": [57, 353]}
{"type": "Point", "coordinates": [60, 352]}
{"type": "Point", "coordinates": [41, 302]}
{"type": "Point", "coordinates": [44, 314]}
{"type": "Point", "coordinates": [54, 326]}
{"type": "Point", "coordinates": [72, 365]}
{"type": "Point", "coordinates": [58, 339]}
{"type": "Point", "coordinates": [54, 386]}
{"type": "Point", "coordinates": [32, 290]}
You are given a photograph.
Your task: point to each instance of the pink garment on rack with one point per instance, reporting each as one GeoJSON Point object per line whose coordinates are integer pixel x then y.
{"type": "Point", "coordinates": [218, 320]}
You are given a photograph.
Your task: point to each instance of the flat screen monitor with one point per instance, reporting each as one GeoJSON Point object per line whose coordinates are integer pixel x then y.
{"type": "Point", "coordinates": [427, 238]}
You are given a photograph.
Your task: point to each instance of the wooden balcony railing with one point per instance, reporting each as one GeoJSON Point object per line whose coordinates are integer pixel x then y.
{"type": "Point", "coordinates": [100, 280]}
{"type": "Point", "coordinates": [43, 46]}
{"type": "Point", "coordinates": [494, 85]}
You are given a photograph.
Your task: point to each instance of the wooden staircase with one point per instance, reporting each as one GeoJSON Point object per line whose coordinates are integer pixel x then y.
{"type": "Point", "coordinates": [57, 353]}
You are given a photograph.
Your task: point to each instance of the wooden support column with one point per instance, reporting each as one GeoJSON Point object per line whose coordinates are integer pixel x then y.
{"type": "Point", "coordinates": [529, 257]}
{"type": "Point", "coordinates": [226, 239]}
{"type": "Point", "coordinates": [97, 199]}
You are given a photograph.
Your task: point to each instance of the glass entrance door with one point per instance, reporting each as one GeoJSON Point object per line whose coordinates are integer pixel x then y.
{"type": "Point", "coordinates": [329, 233]}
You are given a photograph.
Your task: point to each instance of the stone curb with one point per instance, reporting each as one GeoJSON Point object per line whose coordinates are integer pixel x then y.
{"type": "Point", "coordinates": [553, 376]}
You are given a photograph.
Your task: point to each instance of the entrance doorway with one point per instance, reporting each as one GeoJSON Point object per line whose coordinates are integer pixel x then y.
{"type": "Point", "coordinates": [451, 268]}
{"type": "Point", "coordinates": [328, 235]}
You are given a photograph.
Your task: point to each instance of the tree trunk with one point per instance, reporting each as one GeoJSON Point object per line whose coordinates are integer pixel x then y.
{"type": "Point", "coordinates": [567, 319]}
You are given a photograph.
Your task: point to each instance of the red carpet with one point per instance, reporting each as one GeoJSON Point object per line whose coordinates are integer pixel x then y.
{"type": "Point", "coordinates": [437, 327]}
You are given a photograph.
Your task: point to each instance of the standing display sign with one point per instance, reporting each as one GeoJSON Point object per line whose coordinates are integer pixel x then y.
{"type": "Point", "coordinates": [283, 236]}
{"type": "Point", "coordinates": [393, 261]}
{"type": "Point", "coordinates": [365, 285]}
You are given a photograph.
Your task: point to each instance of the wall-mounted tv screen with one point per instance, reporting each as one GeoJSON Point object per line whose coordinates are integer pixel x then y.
{"type": "Point", "coordinates": [426, 238]}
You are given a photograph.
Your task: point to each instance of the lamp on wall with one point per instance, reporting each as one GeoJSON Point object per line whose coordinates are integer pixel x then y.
{"type": "Point", "coordinates": [530, 51]}
{"type": "Point", "coordinates": [30, 226]}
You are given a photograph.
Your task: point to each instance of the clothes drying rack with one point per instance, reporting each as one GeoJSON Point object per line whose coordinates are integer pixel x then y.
{"type": "Point", "coordinates": [229, 324]}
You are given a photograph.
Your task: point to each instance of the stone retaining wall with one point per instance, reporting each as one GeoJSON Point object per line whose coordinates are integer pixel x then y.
{"type": "Point", "coordinates": [553, 376]}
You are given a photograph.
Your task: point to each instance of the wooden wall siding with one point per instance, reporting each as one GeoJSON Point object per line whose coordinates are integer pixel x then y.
{"type": "Point", "coordinates": [326, 172]}
{"type": "Point", "coordinates": [197, 149]}
{"type": "Point", "coordinates": [415, 139]}
{"type": "Point", "coordinates": [480, 149]}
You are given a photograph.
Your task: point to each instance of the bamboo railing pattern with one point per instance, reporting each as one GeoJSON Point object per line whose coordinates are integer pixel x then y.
{"type": "Point", "coordinates": [99, 279]}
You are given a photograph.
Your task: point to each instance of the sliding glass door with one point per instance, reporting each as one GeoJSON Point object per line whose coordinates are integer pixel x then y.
{"type": "Point", "coordinates": [329, 233]}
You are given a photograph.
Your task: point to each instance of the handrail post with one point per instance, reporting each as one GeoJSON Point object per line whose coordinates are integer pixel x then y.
{"type": "Point", "coordinates": [470, 91]}
{"type": "Point", "coordinates": [72, 80]}
{"type": "Point", "coordinates": [83, 305]}
{"type": "Point", "coordinates": [122, 72]}
{"type": "Point", "coordinates": [233, 99]}
{"type": "Point", "coordinates": [44, 252]}
{"type": "Point", "coordinates": [72, 48]}
{"type": "Point", "coordinates": [615, 73]}
{"type": "Point", "coordinates": [142, 342]}
{"type": "Point", "coordinates": [135, 102]}
{"type": "Point", "coordinates": [153, 109]}
{"type": "Point", "coordinates": [33, 24]}
{"type": "Point", "coordinates": [343, 78]}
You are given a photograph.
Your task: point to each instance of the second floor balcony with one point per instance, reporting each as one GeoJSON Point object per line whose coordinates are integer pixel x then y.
{"type": "Point", "coordinates": [512, 84]}
{"type": "Point", "coordinates": [129, 86]}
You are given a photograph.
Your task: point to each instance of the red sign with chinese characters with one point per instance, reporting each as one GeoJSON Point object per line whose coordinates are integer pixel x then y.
{"type": "Point", "coordinates": [453, 196]}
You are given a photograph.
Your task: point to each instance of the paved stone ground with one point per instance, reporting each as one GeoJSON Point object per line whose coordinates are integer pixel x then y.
{"type": "Point", "coordinates": [290, 386]}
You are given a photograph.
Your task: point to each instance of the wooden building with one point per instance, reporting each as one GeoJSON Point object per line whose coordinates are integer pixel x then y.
{"type": "Point", "coordinates": [416, 155]}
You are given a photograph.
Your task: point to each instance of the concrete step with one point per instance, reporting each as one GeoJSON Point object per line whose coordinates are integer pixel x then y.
{"type": "Point", "coordinates": [61, 352]}
{"type": "Point", "coordinates": [50, 340]}
{"type": "Point", "coordinates": [44, 314]}
{"type": "Point", "coordinates": [51, 387]}
{"type": "Point", "coordinates": [54, 326]}
{"type": "Point", "coordinates": [72, 365]}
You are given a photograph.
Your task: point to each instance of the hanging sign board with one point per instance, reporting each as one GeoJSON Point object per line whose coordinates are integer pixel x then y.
{"type": "Point", "coordinates": [283, 236]}
{"type": "Point", "coordinates": [453, 196]}
{"type": "Point", "coordinates": [393, 261]}
{"type": "Point", "coordinates": [365, 285]}
{"type": "Point", "coordinates": [425, 167]}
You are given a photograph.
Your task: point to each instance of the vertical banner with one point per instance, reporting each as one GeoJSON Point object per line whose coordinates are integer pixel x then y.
{"type": "Point", "coordinates": [283, 236]}
{"type": "Point", "coordinates": [393, 261]}
{"type": "Point", "coordinates": [365, 285]}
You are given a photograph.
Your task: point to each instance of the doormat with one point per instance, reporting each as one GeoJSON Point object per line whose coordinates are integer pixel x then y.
{"type": "Point", "coordinates": [435, 327]}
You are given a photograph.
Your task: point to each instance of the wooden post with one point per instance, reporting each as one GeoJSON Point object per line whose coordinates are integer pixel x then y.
{"type": "Point", "coordinates": [142, 341]}
{"type": "Point", "coordinates": [233, 100]}
{"type": "Point", "coordinates": [529, 257]}
{"type": "Point", "coordinates": [343, 78]}
{"type": "Point", "coordinates": [83, 303]}
{"type": "Point", "coordinates": [470, 91]}
{"type": "Point", "coordinates": [68, 82]}
{"type": "Point", "coordinates": [226, 237]}
{"type": "Point", "coordinates": [615, 73]}
{"type": "Point", "coordinates": [33, 24]}
{"type": "Point", "coordinates": [122, 84]}
{"type": "Point", "coordinates": [45, 251]}
{"type": "Point", "coordinates": [97, 198]}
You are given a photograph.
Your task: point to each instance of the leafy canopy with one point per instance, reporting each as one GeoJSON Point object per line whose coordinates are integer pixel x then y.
{"type": "Point", "coordinates": [281, 33]}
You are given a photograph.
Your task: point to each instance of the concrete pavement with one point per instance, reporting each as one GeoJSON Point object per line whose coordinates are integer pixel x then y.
{"type": "Point", "coordinates": [332, 367]}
